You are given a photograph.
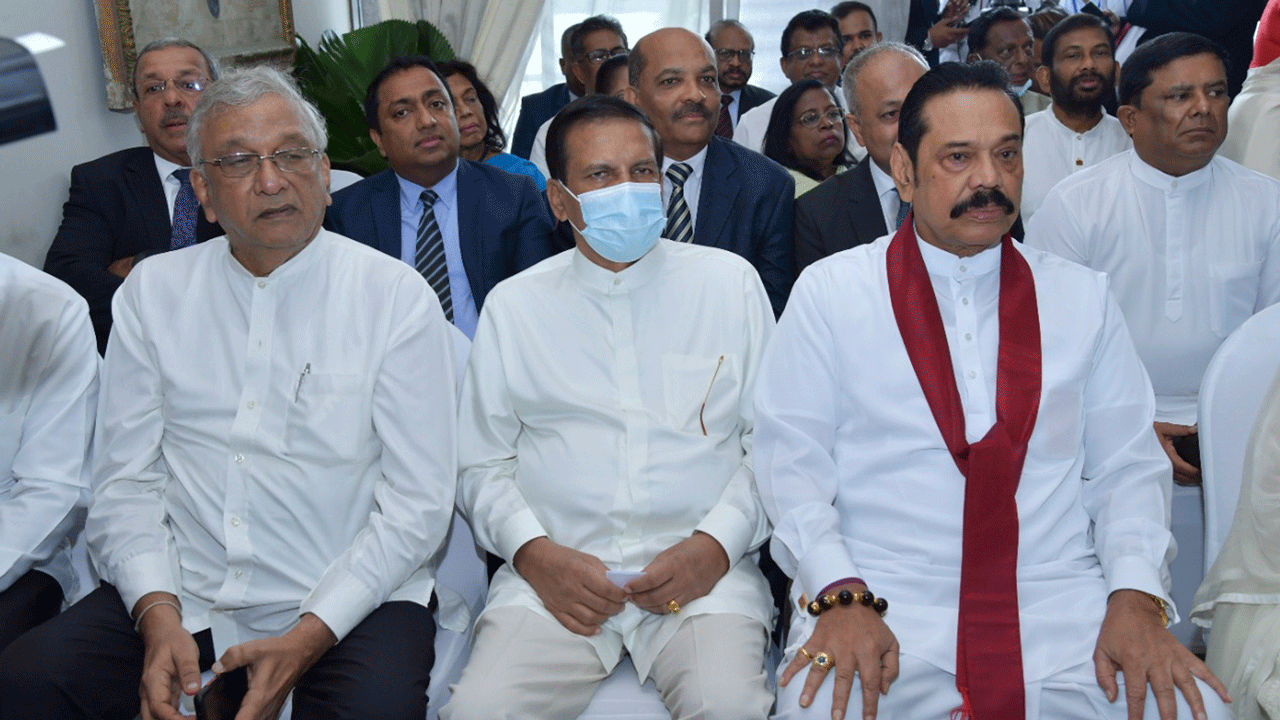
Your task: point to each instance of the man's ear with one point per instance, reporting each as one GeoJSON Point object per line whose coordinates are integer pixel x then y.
{"type": "Point", "coordinates": [558, 199]}
{"type": "Point", "coordinates": [630, 95]}
{"type": "Point", "coordinates": [855, 127]}
{"type": "Point", "coordinates": [200, 185]}
{"type": "Point", "coordinates": [1128, 117]}
{"type": "Point", "coordinates": [903, 172]}
{"type": "Point", "coordinates": [1043, 75]}
{"type": "Point", "coordinates": [377, 140]}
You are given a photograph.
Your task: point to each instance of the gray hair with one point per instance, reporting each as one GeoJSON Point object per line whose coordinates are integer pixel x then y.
{"type": "Point", "coordinates": [719, 25]}
{"type": "Point", "coordinates": [862, 59]}
{"type": "Point", "coordinates": [162, 43]}
{"type": "Point", "coordinates": [240, 88]}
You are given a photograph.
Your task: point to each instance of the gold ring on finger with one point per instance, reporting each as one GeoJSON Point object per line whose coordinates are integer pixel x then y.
{"type": "Point", "coordinates": [823, 661]}
{"type": "Point", "coordinates": [673, 606]}
{"type": "Point", "coordinates": [807, 654]}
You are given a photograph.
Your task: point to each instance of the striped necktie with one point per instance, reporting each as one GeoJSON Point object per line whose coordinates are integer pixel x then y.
{"type": "Point", "coordinates": [679, 220]}
{"type": "Point", "coordinates": [430, 258]}
{"type": "Point", "coordinates": [724, 127]}
{"type": "Point", "coordinates": [185, 208]}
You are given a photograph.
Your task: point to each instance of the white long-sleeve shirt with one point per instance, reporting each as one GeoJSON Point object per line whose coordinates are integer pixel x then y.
{"type": "Point", "coordinates": [1052, 151]}
{"type": "Point", "coordinates": [582, 416]}
{"type": "Point", "coordinates": [858, 481]}
{"type": "Point", "coordinates": [272, 446]}
{"type": "Point", "coordinates": [1190, 258]}
{"type": "Point", "coordinates": [48, 396]}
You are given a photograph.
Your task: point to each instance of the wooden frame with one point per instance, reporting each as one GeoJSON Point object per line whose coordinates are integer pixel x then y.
{"type": "Point", "coordinates": [244, 32]}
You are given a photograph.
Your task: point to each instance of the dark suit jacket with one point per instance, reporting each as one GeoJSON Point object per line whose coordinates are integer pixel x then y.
{"type": "Point", "coordinates": [745, 206]}
{"type": "Point", "coordinates": [751, 97]}
{"type": "Point", "coordinates": [503, 223]}
{"type": "Point", "coordinates": [1230, 24]}
{"type": "Point", "coordinates": [116, 209]}
{"type": "Point", "coordinates": [536, 109]}
{"type": "Point", "coordinates": [922, 16]}
{"type": "Point", "coordinates": [842, 212]}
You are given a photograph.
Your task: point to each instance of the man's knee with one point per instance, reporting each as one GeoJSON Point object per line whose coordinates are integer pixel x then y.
{"type": "Point", "coordinates": [33, 670]}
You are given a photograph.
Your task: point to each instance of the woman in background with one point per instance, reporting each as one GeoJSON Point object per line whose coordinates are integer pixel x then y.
{"type": "Point", "coordinates": [481, 138]}
{"type": "Point", "coordinates": [806, 134]}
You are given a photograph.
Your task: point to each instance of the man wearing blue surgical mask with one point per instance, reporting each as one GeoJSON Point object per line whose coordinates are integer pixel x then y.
{"type": "Point", "coordinates": [605, 451]}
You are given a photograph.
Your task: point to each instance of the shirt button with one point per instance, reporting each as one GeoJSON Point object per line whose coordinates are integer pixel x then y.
{"type": "Point", "coordinates": [239, 458]}
{"type": "Point", "coordinates": [973, 374]}
{"type": "Point", "coordinates": [249, 404]}
{"type": "Point", "coordinates": [262, 283]}
{"type": "Point", "coordinates": [1173, 185]}
{"type": "Point", "coordinates": [1079, 162]}
{"type": "Point", "coordinates": [964, 268]}
{"type": "Point", "coordinates": [964, 301]}
{"type": "Point", "coordinates": [239, 573]}
{"type": "Point", "coordinates": [235, 521]}
{"type": "Point", "coordinates": [968, 336]}
{"type": "Point", "coordinates": [617, 281]}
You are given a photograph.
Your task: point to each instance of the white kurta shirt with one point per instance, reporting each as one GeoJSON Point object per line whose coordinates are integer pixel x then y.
{"type": "Point", "coordinates": [858, 481]}
{"type": "Point", "coordinates": [271, 446]}
{"type": "Point", "coordinates": [1052, 151]}
{"type": "Point", "coordinates": [582, 416]}
{"type": "Point", "coordinates": [48, 397]}
{"type": "Point", "coordinates": [1190, 258]}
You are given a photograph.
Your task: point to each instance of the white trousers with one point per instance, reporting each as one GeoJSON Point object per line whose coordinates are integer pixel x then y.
{"type": "Point", "coordinates": [924, 692]}
{"type": "Point", "coordinates": [526, 667]}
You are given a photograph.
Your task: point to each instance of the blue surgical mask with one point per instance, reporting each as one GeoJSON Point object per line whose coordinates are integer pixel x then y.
{"type": "Point", "coordinates": [624, 221]}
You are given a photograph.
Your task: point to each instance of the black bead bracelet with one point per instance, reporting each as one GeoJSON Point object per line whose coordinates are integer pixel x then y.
{"type": "Point", "coordinates": [847, 597]}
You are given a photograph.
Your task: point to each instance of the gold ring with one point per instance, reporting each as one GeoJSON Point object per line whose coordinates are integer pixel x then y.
{"type": "Point", "coordinates": [823, 661]}
{"type": "Point", "coordinates": [674, 607]}
{"type": "Point", "coordinates": [806, 654]}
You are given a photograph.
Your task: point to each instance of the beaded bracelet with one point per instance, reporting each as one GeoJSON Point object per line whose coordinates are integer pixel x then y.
{"type": "Point", "coordinates": [865, 598]}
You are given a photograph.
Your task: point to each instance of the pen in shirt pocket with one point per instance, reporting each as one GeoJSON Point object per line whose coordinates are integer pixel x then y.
{"type": "Point", "coordinates": [707, 397]}
{"type": "Point", "coordinates": [306, 370]}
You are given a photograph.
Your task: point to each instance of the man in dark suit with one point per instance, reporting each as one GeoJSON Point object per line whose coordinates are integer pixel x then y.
{"type": "Point", "coordinates": [540, 107]}
{"type": "Point", "coordinates": [734, 48]}
{"type": "Point", "coordinates": [717, 192]}
{"type": "Point", "coordinates": [480, 226]}
{"type": "Point", "coordinates": [930, 28]}
{"type": "Point", "coordinates": [130, 204]}
{"type": "Point", "coordinates": [1230, 24]}
{"type": "Point", "coordinates": [858, 206]}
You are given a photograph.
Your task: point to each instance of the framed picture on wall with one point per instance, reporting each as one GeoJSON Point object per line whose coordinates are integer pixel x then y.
{"type": "Point", "coordinates": [236, 32]}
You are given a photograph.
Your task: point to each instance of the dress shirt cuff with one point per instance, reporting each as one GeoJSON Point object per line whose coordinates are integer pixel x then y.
{"type": "Point", "coordinates": [341, 601]}
{"type": "Point", "coordinates": [730, 529]}
{"type": "Point", "coordinates": [823, 565]}
{"type": "Point", "coordinates": [1136, 573]}
{"type": "Point", "coordinates": [515, 532]}
{"type": "Point", "coordinates": [142, 574]}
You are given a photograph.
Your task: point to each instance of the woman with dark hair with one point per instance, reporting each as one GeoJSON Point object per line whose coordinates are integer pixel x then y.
{"type": "Point", "coordinates": [480, 136]}
{"type": "Point", "coordinates": [806, 134]}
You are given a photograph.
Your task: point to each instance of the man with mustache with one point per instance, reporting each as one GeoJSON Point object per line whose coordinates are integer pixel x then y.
{"type": "Point", "coordinates": [734, 48]}
{"type": "Point", "coordinates": [1003, 36]}
{"type": "Point", "coordinates": [137, 202]}
{"type": "Point", "coordinates": [1190, 239]}
{"type": "Point", "coordinates": [953, 443]}
{"type": "Point", "coordinates": [1073, 133]}
{"type": "Point", "coordinates": [811, 47]}
{"type": "Point", "coordinates": [465, 226]}
{"type": "Point", "coordinates": [717, 193]}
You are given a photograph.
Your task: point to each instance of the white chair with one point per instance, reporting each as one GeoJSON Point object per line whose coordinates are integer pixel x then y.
{"type": "Point", "coordinates": [1231, 394]}
{"type": "Point", "coordinates": [339, 179]}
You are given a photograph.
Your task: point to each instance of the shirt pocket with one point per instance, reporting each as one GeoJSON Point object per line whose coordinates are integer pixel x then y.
{"type": "Point", "coordinates": [1233, 292]}
{"type": "Point", "coordinates": [701, 393]}
{"type": "Point", "coordinates": [329, 417]}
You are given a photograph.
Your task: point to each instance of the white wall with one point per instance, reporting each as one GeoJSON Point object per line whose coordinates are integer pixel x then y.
{"type": "Point", "coordinates": [34, 173]}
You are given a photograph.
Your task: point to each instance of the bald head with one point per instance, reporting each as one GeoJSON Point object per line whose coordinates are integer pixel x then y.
{"type": "Point", "coordinates": [672, 78]}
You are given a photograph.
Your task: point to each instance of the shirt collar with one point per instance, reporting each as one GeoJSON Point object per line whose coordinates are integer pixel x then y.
{"type": "Point", "coordinates": [636, 275]}
{"type": "Point", "coordinates": [1063, 129]}
{"type": "Point", "coordinates": [884, 184]}
{"type": "Point", "coordinates": [735, 94]}
{"type": "Point", "coordinates": [695, 163]}
{"type": "Point", "coordinates": [165, 168]}
{"type": "Point", "coordinates": [292, 267]}
{"type": "Point", "coordinates": [1168, 183]}
{"type": "Point", "coordinates": [945, 264]}
{"type": "Point", "coordinates": [446, 189]}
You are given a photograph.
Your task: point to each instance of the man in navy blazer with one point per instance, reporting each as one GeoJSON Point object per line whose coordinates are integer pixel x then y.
{"type": "Point", "coordinates": [540, 107]}
{"type": "Point", "coordinates": [118, 209]}
{"type": "Point", "coordinates": [736, 199]}
{"type": "Point", "coordinates": [490, 224]}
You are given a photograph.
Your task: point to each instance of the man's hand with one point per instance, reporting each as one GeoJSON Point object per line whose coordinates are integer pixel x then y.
{"type": "Point", "coordinates": [1184, 473]}
{"type": "Point", "coordinates": [946, 31]}
{"type": "Point", "coordinates": [171, 660]}
{"type": "Point", "coordinates": [859, 641]}
{"type": "Point", "coordinates": [121, 267]}
{"type": "Point", "coordinates": [275, 664]}
{"type": "Point", "coordinates": [572, 585]}
{"type": "Point", "coordinates": [683, 572]}
{"type": "Point", "coordinates": [1134, 641]}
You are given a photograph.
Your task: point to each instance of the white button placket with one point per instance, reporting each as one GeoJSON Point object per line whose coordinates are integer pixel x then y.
{"type": "Point", "coordinates": [974, 385]}
{"type": "Point", "coordinates": [1176, 226]}
{"type": "Point", "coordinates": [632, 500]}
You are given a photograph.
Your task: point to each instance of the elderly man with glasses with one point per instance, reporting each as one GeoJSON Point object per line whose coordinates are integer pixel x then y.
{"type": "Point", "coordinates": [276, 455]}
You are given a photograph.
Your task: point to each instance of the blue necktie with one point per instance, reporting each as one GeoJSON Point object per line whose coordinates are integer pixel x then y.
{"type": "Point", "coordinates": [430, 259]}
{"type": "Point", "coordinates": [904, 209]}
{"type": "Point", "coordinates": [185, 208]}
